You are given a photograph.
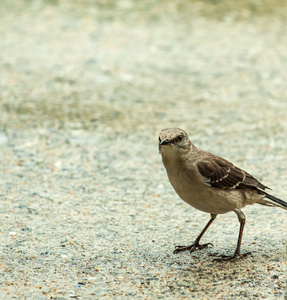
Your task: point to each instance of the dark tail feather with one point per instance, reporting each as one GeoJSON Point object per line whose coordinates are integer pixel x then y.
{"type": "Point", "coordinates": [276, 201]}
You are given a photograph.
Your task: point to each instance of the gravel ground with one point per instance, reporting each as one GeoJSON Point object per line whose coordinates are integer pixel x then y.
{"type": "Point", "coordinates": [86, 207]}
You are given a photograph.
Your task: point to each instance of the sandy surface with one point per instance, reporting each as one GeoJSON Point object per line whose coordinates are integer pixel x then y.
{"type": "Point", "coordinates": [86, 207]}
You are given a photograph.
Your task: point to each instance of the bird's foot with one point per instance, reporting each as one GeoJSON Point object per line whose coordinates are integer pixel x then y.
{"type": "Point", "coordinates": [191, 248]}
{"type": "Point", "coordinates": [232, 257]}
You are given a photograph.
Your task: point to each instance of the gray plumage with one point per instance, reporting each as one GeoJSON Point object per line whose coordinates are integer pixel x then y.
{"type": "Point", "coordinates": [209, 182]}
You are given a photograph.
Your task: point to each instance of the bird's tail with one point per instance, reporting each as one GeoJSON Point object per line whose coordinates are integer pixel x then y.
{"type": "Point", "coordinates": [276, 201]}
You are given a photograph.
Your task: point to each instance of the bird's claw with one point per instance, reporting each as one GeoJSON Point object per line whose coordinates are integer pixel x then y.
{"type": "Point", "coordinates": [232, 257]}
{"type": "Point", "coordinates": [193, 247]}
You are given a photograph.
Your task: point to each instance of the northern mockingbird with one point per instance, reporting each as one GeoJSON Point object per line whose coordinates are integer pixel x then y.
{"type": "Point", "coordinates": [210, 183]}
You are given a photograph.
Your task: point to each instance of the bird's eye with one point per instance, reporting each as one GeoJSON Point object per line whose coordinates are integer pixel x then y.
{"type": "Point", "coordinates": [179, 138]}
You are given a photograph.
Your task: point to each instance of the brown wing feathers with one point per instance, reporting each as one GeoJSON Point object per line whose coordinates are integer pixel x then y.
{"type": "Point", "coordinates": [224, 174]}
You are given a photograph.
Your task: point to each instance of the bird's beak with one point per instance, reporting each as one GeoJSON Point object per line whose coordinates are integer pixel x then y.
{"type": "Point", "coordinates": [164, 142]}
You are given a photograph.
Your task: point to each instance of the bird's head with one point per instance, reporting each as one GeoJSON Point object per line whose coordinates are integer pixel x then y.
{"type": "Point", "coordinates": [173, 141]}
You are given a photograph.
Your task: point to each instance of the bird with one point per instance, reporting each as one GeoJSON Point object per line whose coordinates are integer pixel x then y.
{"type": "Point", "coordinates": [210, 184]}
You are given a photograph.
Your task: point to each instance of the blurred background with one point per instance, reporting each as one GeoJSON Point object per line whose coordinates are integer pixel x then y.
{"type": "Point", "coordinates": [132, 65]}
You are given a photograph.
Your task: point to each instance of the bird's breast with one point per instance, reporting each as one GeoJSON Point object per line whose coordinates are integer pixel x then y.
{"type": "Point", "coordinates": [192, 188]}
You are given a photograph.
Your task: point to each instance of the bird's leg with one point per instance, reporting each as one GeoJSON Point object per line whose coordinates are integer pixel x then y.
{"type": "Point", "coordinates": [194, 246]}
{"type": "Point", "coordinates": [236, 255]}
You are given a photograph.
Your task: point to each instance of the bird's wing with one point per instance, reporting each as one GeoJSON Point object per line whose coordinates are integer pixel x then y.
{"type": "Point", "coordinates": [222, 174]}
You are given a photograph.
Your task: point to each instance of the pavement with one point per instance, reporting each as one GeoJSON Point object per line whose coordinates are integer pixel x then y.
{"type": "Point", "coordinates": [87, 211]}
